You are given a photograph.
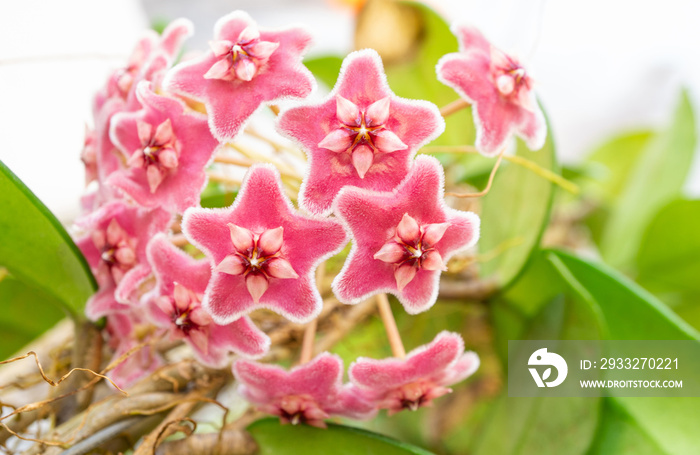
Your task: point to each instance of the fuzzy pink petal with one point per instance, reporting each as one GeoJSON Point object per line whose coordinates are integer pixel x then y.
{"type": "Point", "coordinates": [428, 362]}
{"type": "Point", "coordinates": [361, 82]}
{"type": "Point", "coordinates": [230, 103]}
{"type": "Point", "coordinates": [241, 337]}
{"type": "Point", "coordinates": [262, 205]}
{"type": "Point", "coordinates": [372, 217]}
{"type": "Point", "coordinates": [174, 35]}
{"type": "Point", "coordinates": [264, 49]}
{"type": "Point", "coordinates": [127, 291]}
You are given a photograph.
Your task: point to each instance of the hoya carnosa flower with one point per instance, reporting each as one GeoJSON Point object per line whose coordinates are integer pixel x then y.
{"type": "Point", "coordinates": [115, 248]}
{"type": "Point", "coordinates": [499, 88]}
{"type": "Point", "coordinates": [361, 135]}
{"type": "Point", "coordinates": [402, 239]}
{"type": "Point", "coordinates": [126, 331]}
{"type": "Point", "coordinates": [264, 253]}
{"type": "Point", "coordinates": [414, 381]}
{"type": "Point", "coordinates": [245, 67]}
{"type": "Point", "coordinates": [175, 305]}
{"type": "Point", "coordinates": [308, 393]}
{"type": "Point", "coordinates": [166, 150]}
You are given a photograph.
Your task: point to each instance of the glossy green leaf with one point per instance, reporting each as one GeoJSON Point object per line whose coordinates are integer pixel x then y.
{"type": "Point", "coordinates": [656, 179]}
{"type": "Point", "coordinates": [546, 425]}
{"type": "Point", "coordinates": [217, 199]}
{"type": "Point", "coordinates": [276, 439]}
{"type": "Point", "coordinates": [632, 313]}
{"type": "Point", "coordinates": [37, 250]}
{"type": "Point", "coordinates": [514, 214]}
{"type": "Point", "coordinates": [667, 261]}
{"type": "Point", "coordinates": [26, 314]}
{"type": "Point", "coordinates": [619, 434]}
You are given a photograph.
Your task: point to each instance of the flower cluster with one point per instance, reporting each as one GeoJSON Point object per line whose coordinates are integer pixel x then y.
{"type": "Point", "coordinates": [159, 125]}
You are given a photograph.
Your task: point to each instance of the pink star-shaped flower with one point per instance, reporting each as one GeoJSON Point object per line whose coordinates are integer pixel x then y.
{"type": "Point", "coordinates": [264, 253]}
{"type": "Point", "coordinates": [115, 248]}
{"type": "Point", "coordinates": [412, 382]}
{"type": "Point", "coordinates": [309, 393]}
{"type": "Point", "coordinates": [126, 331]}
{"type": "Point", "coordinates": [402, 239]}
{"type": "Point", "coordinates": [246, 66]}
{"type": "Point", "coordinates": [166, 150]}
{"type": "Point", "coordinates": [361, 135]}
{"type": "Point", "coordinates": [498, 87]}
{"type": "Point", "coordinates": [175, 305]}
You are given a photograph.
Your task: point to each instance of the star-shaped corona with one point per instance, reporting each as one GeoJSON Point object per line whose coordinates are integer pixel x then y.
{"type": "Point", "coordinates": [263, 251]}
{"type": "Point", "coordinates": [361, 135]}
{"type": "Point", "coordinates": [402, 238]}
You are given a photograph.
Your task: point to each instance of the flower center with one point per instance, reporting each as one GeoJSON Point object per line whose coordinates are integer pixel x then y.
{"type": "Point", "coordinates": [257, 257]}
{"type": "Point", "coordinates": [296, 409]}
{"type": "Point", "coordinates": [413, 396]}
{"type": "Point", "coordinates": [159, 152]}
{"type": "Point", "coordinates": [412, 248]}
{"type": "Point", "coordinates": [117, 251]}
{"type": "Point", "coordinates": [241, 60]}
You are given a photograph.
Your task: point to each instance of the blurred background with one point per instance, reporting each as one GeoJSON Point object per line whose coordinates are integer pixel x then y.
{"type": "Point", "coordinates": [602, 66]}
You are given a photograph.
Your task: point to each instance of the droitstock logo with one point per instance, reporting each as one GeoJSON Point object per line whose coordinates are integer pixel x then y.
{"type": "Point", "coordinates": [543, 358]}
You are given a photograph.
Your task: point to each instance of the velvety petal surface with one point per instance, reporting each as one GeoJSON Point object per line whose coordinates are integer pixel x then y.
{"type": "Point", "coordinates": [319, 129]}
{"type": "Point", "coordinates": [182, 184]}
{"type": "Point", "coordinates": [373, 218]}
{"type": "Point", "coordinates": [499, 89]}
{"type": "Point", "coordinates": [229, 103]}
{"type": "Point", "coordinates": [261, 206]}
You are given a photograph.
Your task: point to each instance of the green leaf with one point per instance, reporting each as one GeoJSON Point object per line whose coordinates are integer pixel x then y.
{"type": "Point", "coordinates": [514, 214]}
{"type": "Point", "coordinates": [219, 199]}
{"type": "Point", "coordinates": [630, 312]}
{"type": "Point", "coordinates": [325, 68]}
{"type": "Point", "coordinates": [667, 261]}
{"type": "Point", "coordinates": [546, 425]}
{"type": "Point", "coordinates": [619, 434]}
{"type": "Point", "coordinates": [656, 179]}
{"type": "Point", "coordinates": [613, 162]}
{"type": "Point", "coordinates": [26, 314]}
{"type": "Point", "coordinates": [37, 250]}
{"type": "Point", "coordinates": [276, 439]}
